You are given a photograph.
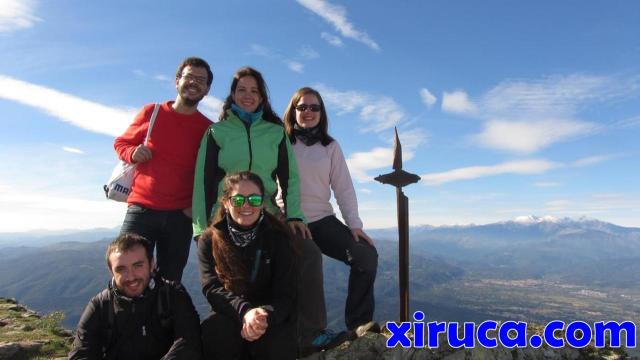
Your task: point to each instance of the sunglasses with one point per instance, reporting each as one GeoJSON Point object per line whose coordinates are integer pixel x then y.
{"type": "Point", "coordinates": [304, 107]}
{"type": "Point", "coordinates": [254, 200]}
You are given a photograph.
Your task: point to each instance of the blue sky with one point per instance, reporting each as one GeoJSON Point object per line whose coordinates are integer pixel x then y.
{"type": "Point", "coordinates": [504, 108]}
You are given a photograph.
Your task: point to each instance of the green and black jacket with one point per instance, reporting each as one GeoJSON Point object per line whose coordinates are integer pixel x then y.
{"type": "Point", "coordinates": [231, 146]}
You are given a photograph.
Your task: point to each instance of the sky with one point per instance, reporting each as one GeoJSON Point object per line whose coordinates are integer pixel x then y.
{"type": "Point", "coordinates": [504, 108]}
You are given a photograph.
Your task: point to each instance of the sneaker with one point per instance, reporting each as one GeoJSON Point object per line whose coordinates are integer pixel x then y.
{"type": "Point", "coordinates": [329, 339]}
{"type": "Point", "coordinates": [326, 340]}
{"type": "Point", "coordinates": [371, 326]}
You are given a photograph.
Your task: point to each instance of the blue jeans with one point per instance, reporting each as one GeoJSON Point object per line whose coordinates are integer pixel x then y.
{"type": "Point", "coordinates": [169, 231]}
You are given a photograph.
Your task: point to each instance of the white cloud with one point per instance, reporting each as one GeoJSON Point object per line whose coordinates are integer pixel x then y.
{"type": "Point", "coordinates": [427, 97]}
{"type": "Point", "coordinates": [336, 15]}
{"type": "Point", "coordinates": [457, 102]}
{"type": "Point", "coordinates": [211, 107]}
{"type": "Point", "coordinates": [526, 137]}
{"type": "Point", "coordinates": [631, 122]}
{"type": "Point", "coordinates": [381, 114]}
{"type": "Point", "coordinates": [378, 112]}
{"type": "Point", "coordinates": [557, 205]}
{"type": "Point", "coordinates": [525, 116]}
{"type": "Point", "coordinates": [307, 52]}
{"type": "Point", "coordinates": [139, 73]}
{"type": "Point", "coordinates": [521, 167]}
{"type": "Point", "coordinates": [528, 167]}
{"type": "Point", "coordinates": [72, 150]}
{"type": "Point", "coordinates": [161, 77]}
{"type": "Point", "coordinates": [544, 184]}
{"type": "Point", "coordinates": [260, 50]}
{"type": "Point", "coordinates": [19, 208]}
{"type": "Point", "coordinates": [295, 66]}
{"type": "Point", "coordinates": [365, 191]}
{"type": "Point", "coordinates": [332, 39]}
{"type": "Point", "coordinates": [268, 53]}
{"type": "Point", "coordinates": [360, 163]}
{"type": "Point", "coordinates": [591, 160]}
{"type": "Point", "coordinates": [17, 14]}
{"type": "Point", "coordinates": [76, 111]}
{"type": "Point", "coordinates": [553, 96]}
{"type": "Point", "coordinates": [411, 138]}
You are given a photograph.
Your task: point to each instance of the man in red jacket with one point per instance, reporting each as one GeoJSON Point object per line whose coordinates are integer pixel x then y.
{"type": "Point", "coordinates": [159, 204]}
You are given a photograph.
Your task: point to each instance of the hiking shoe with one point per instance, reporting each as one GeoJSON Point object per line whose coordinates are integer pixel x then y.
{"type": "Point", "coordinates": [371, 326]}
{"type": "Point", "coordinates": [326, 340]}
{"type": "Point", "coordinates": [329, 339]}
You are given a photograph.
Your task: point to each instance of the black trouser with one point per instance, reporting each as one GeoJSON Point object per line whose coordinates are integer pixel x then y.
{"type": "Point", "coordinates": [312, 313]}
{"type": "Point", "coordinates": [336, 240]}
{"type": "Point", "coordinates": [169, 231]}
{"type": "Point", "coordinates": [221, 340]}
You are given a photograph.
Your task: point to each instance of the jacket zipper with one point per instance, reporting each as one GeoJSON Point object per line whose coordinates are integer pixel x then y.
{"type": "Point", "coordinates": [248, 128]}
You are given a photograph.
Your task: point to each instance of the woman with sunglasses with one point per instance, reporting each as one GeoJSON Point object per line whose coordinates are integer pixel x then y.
{"type": "Point", "coordinates": [322, 169]}
{"type": "Point", "coordinates": [247, 275]}
{"type": "Point", "coordinates": [248, 137]}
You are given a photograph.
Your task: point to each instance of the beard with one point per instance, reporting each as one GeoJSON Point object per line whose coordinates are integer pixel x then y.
{"type": "Point", "coordinates": [191, 101]}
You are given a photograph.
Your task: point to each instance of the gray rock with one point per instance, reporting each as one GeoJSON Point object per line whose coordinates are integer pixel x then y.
{"type": "Point", "coordinates": [8, 350]}
{"type": "Point", "coordinates": [17, 308]}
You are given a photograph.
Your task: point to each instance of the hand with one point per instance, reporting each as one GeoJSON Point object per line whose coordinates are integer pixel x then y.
{"type": "Point", "coordinates": [141, 154]}
{"type": "Point", "coordinates": [359, 233]}
{"type": "Point", "coordinates": [188, 212]}
{"type": "Point", "coordinates": [298, 226]}
{"type": "Point", "coordinates": [254, 324]}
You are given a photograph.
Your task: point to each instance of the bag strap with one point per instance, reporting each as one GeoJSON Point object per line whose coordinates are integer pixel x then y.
{"type": "Point", "coordinates": [151, 122]}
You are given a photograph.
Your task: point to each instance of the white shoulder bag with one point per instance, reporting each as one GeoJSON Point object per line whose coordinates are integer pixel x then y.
{"type": "Point", "coordinates": [119, 185]}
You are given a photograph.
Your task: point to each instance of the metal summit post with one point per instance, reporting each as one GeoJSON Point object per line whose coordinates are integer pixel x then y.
{"type": "Point", "coordinates": [400, 178]}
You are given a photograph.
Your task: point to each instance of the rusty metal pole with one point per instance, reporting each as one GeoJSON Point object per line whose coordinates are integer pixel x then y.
{"type": "Point", "coordinates": [403, 253]}
{"type": "Point", "coordinates": [400, 178]}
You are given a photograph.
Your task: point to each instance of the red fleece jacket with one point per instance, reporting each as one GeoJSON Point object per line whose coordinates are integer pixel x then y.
{"type": "Point", "coordinates": [166, 181]}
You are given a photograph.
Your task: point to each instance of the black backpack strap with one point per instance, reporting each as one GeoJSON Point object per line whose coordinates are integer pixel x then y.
{"type": "Point", "coordinates": [107, 317]}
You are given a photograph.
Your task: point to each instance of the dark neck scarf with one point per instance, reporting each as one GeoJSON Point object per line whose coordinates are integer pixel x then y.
{"type": "Point", "coordinates": [307, 136]}
{"type": "Point", "coordinates": [239, 236]}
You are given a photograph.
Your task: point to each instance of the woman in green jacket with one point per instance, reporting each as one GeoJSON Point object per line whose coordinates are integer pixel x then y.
{"type": "Point", "coordinates": [248, 137]}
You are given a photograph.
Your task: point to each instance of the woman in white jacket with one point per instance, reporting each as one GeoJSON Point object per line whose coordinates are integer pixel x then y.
{"type": "Point", "coordinates": [322, 168]}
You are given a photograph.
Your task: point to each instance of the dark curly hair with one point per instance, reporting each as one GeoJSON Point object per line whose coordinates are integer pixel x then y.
{"type": "Point", "coordinates": [231, 271]}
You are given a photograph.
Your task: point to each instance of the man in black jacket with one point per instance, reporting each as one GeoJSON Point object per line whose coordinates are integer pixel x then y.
{"type": "Point", "coordinates": [139, 315]}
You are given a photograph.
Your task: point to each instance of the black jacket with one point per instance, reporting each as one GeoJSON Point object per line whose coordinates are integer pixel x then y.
{"type": "Point", "coordinates": [161, 324]}
{"type": "Point", "coordinates": [274, 286]}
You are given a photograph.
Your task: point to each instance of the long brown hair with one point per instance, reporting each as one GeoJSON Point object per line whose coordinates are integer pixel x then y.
{"type": "Point", "coordinates": [230, 269]}
{"type": "Point", "coordinates": [267, 112]}
{"type": "Point", "coordinates": [290, 116]}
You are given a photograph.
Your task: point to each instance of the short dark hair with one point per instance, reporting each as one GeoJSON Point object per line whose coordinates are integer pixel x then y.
{"type": "Point", "coordinates": [195, 62]}
{"type": "Point", "coordinates": [127, 241]}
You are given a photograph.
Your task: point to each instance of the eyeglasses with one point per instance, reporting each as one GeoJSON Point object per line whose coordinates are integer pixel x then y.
{"type": "Point", "coordinates": [304, 107]}
{"type": "Point", "coordinates": [197, 79]}
{"type": "Point", "coordinates": [238, 200]}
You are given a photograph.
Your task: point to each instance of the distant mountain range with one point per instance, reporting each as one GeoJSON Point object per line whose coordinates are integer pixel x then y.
{"type": "Point", "coordinates": [456, 272]}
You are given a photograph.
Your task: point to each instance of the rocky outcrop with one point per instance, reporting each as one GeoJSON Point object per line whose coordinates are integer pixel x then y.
{"type": "Point", "coordinates": [372, 346]}
{"type": "Point", "coordinates": [25, 334]}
